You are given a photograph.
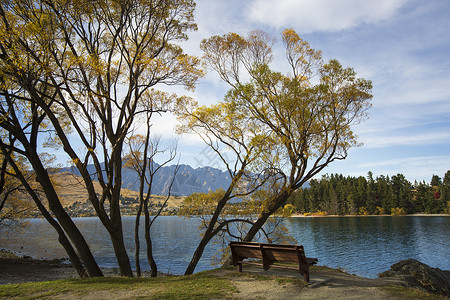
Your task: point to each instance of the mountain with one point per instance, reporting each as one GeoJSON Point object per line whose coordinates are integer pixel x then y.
{"type": "Point", "coordinates": [187, 180]}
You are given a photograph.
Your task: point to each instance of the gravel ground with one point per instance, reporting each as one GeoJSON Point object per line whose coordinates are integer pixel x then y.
{"type": "Point", "coordinates": [325, 284]}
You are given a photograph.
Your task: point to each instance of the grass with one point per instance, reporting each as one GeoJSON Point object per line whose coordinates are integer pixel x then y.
{"type": "Point", "coordinates": [202, 285]}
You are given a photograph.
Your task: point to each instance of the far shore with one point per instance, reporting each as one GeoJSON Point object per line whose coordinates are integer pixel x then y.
{"type": "Point", "coordinates": [295, 215]}
{"type": "Point", "coordinates": [340, 216]}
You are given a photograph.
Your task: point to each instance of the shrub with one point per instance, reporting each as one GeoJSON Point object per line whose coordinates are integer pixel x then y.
{"type": "Point", "coordinates": [379, 210]}
{"type": "Point", "coordinates": [363, 211]}
{"type": "Point", "coordinates": [397, 211]}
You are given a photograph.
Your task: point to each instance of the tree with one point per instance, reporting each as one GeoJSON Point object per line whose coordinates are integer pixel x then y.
{"type": "Point", "coordinates": [18, 171]}
{"type": "Point", "coordinates": [382, 192]}
{"type": "Point", "coordinates": [225, 130]}
{"type": "Point", "coordinates": [435, 180]}
{"type": "Point", "coordinates": [89, 65]}
{"type": "Point", "coordinates": [303, 119]}
{"type": "Point", "coordinates": [400, 190]}
{"type": "Point", "coordinates": [379, 196]}
{"type": "Point", "coordinates": [309, 123]}
{"type": "Point", "coordinates": [445, 192]}
{"type": "Point", "coordinates": [370, 193]}
{"type": "Point", "coordinates": [233, 221]}
{"type": "Point", "coordinates": [142, 152]}
{"type": "Point", "coordinates": [22, 123]}
{"type": "Point", "coordinates": [423, 196]}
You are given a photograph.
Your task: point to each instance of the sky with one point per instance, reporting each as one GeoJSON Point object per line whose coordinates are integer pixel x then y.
{"type": "Point", "coordinates": [402, 46]}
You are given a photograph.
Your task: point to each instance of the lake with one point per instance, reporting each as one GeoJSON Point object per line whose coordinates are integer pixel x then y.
{"type": "Point", "coordinates": [364, 246]}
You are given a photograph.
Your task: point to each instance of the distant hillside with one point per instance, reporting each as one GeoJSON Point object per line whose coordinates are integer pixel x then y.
{"type": "Point", "coordinates": [71, 189]}
{"type": "Point", "coordinates": [187, 181]}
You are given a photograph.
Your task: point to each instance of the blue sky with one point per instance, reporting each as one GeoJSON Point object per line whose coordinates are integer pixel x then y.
{"type": "Point", "coordinates": [402, 46]}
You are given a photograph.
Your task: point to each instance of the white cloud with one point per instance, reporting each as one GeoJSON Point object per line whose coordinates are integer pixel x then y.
{"type": "Point", "coordinates": [407, 139]}
{"type": "Point", "coordinates": [217, 18]}
{"type": "Point", "coordinates": [420, 167]}
{"type": "Point", "coordinates": [414, 168]}
{"type": "Point", "coordinates": [411, 161]}
{"type": "Point", "coordinates": [424, 92]}
{"type": "Point", "coordinates": [322, 15]}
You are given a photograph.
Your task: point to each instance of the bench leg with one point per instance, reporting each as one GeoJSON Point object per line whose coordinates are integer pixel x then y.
{"type": "Point", "coordinates": [306, 276]}
{"type": "Point", "coordinates": [239, 267]}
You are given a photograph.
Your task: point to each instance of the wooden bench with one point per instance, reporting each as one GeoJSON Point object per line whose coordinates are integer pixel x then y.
{"type": "Point", "coordinates": [270, 254]}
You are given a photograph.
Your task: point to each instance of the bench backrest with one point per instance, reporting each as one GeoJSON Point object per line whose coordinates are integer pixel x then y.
{"type": "Point", "coordinates": [273, 252]}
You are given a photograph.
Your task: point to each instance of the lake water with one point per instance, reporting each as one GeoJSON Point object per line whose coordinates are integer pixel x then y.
{"type": "Point", "coordinates": [364, 246]}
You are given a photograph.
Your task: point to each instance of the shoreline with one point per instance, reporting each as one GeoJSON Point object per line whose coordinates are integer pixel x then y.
{"type": "Point", "coordinates": [294, 215]}
{"type": "Point", "coordinates": [15, 269]}
{"type": "Point", "coordinates": [352, 216]}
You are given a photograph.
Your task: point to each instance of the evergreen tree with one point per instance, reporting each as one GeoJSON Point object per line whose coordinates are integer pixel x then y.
{"type": "Point", "coordinates": [435, 180]}
{"type": "Point", "coordinates": [370, 193]}
{"type": "Point", "coordinates": [383, 192]}
{"type": "Point", "coordinates": [422, 197]}
{"type": "Point", "coordinates": [445, 193]}
{"type": "Point", "coordinates": [339, 195]}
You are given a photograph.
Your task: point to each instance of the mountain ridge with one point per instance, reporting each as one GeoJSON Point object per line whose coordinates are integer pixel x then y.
{"type": "Point", "coordinates": [187, 180]}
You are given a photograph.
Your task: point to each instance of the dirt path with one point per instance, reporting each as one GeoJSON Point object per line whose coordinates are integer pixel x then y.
{"type": "Point", "coordinates": [325, 284]}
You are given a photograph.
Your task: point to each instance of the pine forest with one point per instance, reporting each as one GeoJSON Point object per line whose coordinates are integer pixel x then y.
{"type": "Point", "coordinates": [340, 195]}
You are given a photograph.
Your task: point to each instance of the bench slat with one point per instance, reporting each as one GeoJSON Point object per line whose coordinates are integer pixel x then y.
{"type": "Point", "coordinates": [272, 253]}
{"type": "Point", "coordinates": [281, 256]}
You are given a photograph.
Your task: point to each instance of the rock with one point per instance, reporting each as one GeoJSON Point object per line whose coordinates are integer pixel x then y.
{"type": "Point", "coordinates": [416, 274]}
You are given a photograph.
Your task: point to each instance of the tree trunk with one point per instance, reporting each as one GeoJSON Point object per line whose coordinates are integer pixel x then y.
{"type": "Point", "coordinates": [256, 227]}
{"type": "Point", "coordinates": [116, 232]}
{"type": "Point", "coordinates": [62, 238]}
{"type": "Point", "coordinates": [137, 241]}
{"type": "Point", "coordinates": [78, 240]}
{"type": "Point", "coordinates": [120, 251]}
{"type": "Point", "coordinates": [151, 259]}
{"type": "Point", "coordinates": [207, 236]}
{"type": "Point", "coordinates": [197, 255]}
{"type": "Point", "coordinates": [74, 259]}
{"type": "Point", "coordinates": [148, 241]}
{"type": "Point", "coordinates": [64, 219]}
{"type": "Point", "coordinates": [277, 203]}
